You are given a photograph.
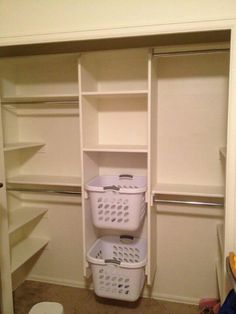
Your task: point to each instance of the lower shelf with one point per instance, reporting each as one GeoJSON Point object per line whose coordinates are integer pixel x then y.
{"type": "Point", "coordinates": [24, 250]}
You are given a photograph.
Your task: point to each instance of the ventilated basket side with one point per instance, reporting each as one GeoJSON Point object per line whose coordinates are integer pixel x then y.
{"type": "Point", "coordinates": [116, 210]}
{"type": "Point", "coordinates": [118, 267]}
{"type": "Point", "coordinates": [120, 205]}
{"type": "Point", "coordinates": [111, 281]}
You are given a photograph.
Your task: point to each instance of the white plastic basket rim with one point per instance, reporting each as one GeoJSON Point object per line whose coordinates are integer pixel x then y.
{"type": "Point", "coordinates": [100, 261]}
{"type": "Point", "coordinates": [95, 186]}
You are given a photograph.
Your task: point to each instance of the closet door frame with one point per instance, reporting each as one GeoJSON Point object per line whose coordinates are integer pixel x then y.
{"type": "Point", "coordinates": [5, 255]}
{"type": "Point", "coordinates": [230, 195]}
{"type": "Point", "coordinates": [230, 182]}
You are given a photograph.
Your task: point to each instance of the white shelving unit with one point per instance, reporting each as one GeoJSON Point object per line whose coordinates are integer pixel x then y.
{"type": "Point", "coordinates": [114, 110]}
{"type": "Point", "coordinates": [39, 105]}
{"type": "Point", "coordinates": [138, 114]}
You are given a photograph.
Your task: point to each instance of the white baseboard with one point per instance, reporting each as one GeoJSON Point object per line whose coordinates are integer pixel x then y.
{"type": "Point", "coordinates": [175, 298]}
{"type": "Point", "coordinates": [59, 281]}
{"type": "Point", "coordinates": [82, 284]}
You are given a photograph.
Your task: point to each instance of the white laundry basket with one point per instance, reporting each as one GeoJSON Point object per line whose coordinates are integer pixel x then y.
{"type": "Point", "coordinates": [118, 267]}
{"type": "Point", "coordinates": [47, 308]}
{"type": "Point", "coordinates": [117, 202]}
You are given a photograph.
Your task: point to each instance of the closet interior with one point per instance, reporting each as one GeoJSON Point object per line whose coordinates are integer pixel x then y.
{"type": "Point", "coordinates": [156, 113]}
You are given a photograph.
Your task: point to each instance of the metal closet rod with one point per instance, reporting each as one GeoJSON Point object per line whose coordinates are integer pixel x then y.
{"type": "Point", "coordinates": [192, 203]}
{"type": "Point", "coordinates": [155, 200]}
{"type": "Point", "coordinates": [190, 52]}
{"type": "Point", "coordinates": [51, 191]}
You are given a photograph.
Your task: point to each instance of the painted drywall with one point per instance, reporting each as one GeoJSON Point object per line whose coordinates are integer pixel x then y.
{"type": "Point", "coordinates": [39, 21]}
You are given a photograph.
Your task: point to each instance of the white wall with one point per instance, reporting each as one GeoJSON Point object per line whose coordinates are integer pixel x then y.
{"type": "Point", "coordinates": [28, 21]}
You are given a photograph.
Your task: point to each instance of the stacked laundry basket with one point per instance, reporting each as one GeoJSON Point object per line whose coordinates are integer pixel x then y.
{"type": "Point", "coordinates": [118, 261]}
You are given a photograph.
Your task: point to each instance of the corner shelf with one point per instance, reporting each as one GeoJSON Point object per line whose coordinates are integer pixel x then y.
{"type": "Point", "coordinates": [21, 145]}
{"type": "Point", "coordinates": [24, 250]}
{"type": "Point", "coordinates": [21, 216]}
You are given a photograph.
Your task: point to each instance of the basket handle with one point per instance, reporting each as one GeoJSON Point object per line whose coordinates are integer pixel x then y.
{"type": "Point", "coordinates": [112, 261]}
{"type": "Point", "coordinates": [126, 176]}
{"type": "Point", "coordinates": [123, 238]}
{"type": "Point", "coordinates": [111, 187]}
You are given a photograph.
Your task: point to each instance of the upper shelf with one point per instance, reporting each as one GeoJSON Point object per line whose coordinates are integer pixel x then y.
{"type": "Point", "coordinates": [189, 190]}
{"type": "Point", "coordinates": [8, 100]}
{"type": "Point", "coordinates": [45, 180]}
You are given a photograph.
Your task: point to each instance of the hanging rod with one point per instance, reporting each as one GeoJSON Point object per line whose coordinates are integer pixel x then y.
{"type": "Point", "coordinates": [192, 203]}
{"type": "Point", "coordinates": [189, 52]}
{"type": "Point", "coordinates": [45, 191]}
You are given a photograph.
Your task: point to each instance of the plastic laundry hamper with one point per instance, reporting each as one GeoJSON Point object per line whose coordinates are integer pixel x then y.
{"type": "Point", "coordinates": [47, 308]}
{"type": "Point", "coordinates": [118, 267]}
{"type": "Point", "coordinates": [117, 202]}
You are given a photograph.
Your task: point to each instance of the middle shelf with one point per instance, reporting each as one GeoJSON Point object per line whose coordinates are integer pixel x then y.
{"type": "Point", "coordinates": [24, 250]}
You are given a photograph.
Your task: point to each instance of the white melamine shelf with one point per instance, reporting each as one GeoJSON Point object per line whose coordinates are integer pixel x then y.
{"type": "Point", "coordinates": [220, 234]}
{"type": "Point", "coordinates": [117, 148]}
{"type": "Point", "coordinates": [21, 216]}
{"type": "Point", "coordinates": [39, 99]}
{"type": "Point", "coordinates": [16, 146]}
{"type": "Point", "coordinates": [116, 94]}
{"type": "Point", "coordinates": [67, 181]}
{"type": "Point", "coordinates": [24, 250]}
{"type": "Point", "coordinates": [189, 190]}
{"type": "Point", "coordinates": [223, 152]}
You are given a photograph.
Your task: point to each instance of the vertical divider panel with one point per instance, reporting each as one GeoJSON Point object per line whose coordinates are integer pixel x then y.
{"type": "Point", "coordinates": [89, 169]}
{"type": "Point", "coordinates": [5, 257]}
{"type": "Point", "coordinates": [152, 133]}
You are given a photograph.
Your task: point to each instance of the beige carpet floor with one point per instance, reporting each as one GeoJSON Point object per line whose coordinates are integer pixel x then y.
{"type": "Point", "coordinates": [82, 301]}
